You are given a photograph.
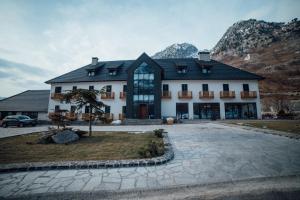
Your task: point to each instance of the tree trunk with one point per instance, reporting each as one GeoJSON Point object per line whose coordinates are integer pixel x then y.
{"type": "Point", "coordinates": [90, 121]}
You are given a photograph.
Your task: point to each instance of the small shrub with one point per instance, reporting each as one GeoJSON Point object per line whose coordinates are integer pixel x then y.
{"type": "Point", "coordinates": [153, 149]}
{"type": "Point", "coordinates": [158, 133]}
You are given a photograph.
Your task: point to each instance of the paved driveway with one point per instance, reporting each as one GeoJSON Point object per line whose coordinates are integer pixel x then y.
{"type": "Point", "coordinates": [13, 131]}
{"type": "Point", "coordinates": [204, 153]}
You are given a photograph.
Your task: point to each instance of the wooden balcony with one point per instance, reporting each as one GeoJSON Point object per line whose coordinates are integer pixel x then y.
{"type": "Point", "coordinates": [206, 95]}
{"type": "Point", "coordinates": [57, 96]}
{"type": "Point", "coordinates": [248, 95]}
{"type": "Point", "coordinates": [122, 95]}
{"type": "Point", "coordinates": [71, 116]}
{"type": "Point", "coordinates": [185, 95]}
{"type": "Point", "coordinates": [227, 94]}
{"type": "Point", "coordinates": [86, 117]}
{"type": "Point", "coordinates": [108, 95]}
{"type": "Point", "coordinates": [107, 117]}
{"type": "Point", "coordinates": [53, 115]}
{"type": "Point", "coordinates": [121, 116]}
{"type": "Point", "coordinates": [166, 95]}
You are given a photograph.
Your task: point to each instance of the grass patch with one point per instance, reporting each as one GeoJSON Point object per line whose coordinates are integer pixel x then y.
{"type": "Point", "coordinates": [292, 126]}
{"type": "Point", "coordinates": [101, 146]}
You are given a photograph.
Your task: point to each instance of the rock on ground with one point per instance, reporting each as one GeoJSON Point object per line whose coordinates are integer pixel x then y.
{"type": "Point", "coordinates": [64, 137]}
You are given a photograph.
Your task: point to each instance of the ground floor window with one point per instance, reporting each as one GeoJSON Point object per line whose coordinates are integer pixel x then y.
{"type": "Point", "coordinates": [33, 115]}
{"type": "Point", "coordinates": [240, 111]}
{"type": "Point", "coordinates": [206, 110]}
{"type": "Point", "coordinates": [182, 110]}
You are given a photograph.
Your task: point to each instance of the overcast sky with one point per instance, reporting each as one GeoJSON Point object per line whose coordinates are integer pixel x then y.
{"type": "Point", "coordinates": [43, 39]}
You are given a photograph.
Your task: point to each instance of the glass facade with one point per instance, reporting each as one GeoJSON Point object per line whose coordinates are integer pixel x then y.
{"type": "Point", "coordinates": [240, 111]}
{"type": "Point", "coordinates": [206, 110]}
{"type": "Point", "coordinates": [143, 92]}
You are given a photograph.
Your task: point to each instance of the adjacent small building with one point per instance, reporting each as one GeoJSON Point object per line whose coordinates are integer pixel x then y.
{"type": "Point", "coordinates": [33, 103]}
{"type": "Point", "coordinates": [146, 88]}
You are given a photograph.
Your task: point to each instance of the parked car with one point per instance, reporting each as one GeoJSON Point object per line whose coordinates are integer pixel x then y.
{"type": "Point", "coordinates": [18, 120]}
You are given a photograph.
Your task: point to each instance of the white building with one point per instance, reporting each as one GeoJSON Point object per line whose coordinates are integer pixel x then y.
{"type": "Point", "coordinates": [155, 88]}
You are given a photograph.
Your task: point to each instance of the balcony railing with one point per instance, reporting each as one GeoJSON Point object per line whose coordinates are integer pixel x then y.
{"type": "Point", "coordinates": [121, 116]}
{"type": "Point", "coordinates": [53, 115]}
{"type": "Point", "coordinates": [86, 117]}
{"type": "Point", "coordinates": [107, 117]}
{"type": "Point", "coordinates": [185, 95]}
{"type": "Point", "coordinates": [57, 96]}
{"type": "Point", "coordinates": [71, 116]}
{"type": "Point", "coordinates": [206, 95]}
{"type": "Point", "coordinates": [227, 94]}
{"type": "Point", "coordinates": [248, 94]}
{"type": "Point", "coordinates": [122, 95]}
{"type": "Point", "coordinates": [108, 95]}
{"type": "Point", "coordinates": [166, 95]}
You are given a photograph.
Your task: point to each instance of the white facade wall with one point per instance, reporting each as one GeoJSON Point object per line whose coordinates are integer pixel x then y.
{"type": "Point", "coordinates": [43, 116]}
{"type": "Point", "coordinates": [168, 106]}
{"type": "Point", "coordinates": [115, 104]}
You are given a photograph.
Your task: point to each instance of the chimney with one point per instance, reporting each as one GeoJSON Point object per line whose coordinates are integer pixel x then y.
{"type": "Point", "coordinates": [204, 55]}
{"type": "Point", "coordinates": [94, 60]}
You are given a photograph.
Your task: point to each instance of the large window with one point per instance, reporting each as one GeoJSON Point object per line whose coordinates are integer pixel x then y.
{"type": "Point", "coordinates": [240, 111]}
{"type": "Point", "coordinates": [206, 110]}
{"type": "Point", "coordinates": [143, 92]}
{"type": "Point", "coordinates": [182, 110]}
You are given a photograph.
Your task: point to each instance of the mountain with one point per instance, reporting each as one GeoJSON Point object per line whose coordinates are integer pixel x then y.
{"type": "Point", "coordinates": [184, 50]}
{"type": "Point", "coordinates": [269, 49]}
{"type": "Point", "coordinates": [266, 48]}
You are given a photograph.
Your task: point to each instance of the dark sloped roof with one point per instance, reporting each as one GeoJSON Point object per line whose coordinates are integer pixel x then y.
{"type": "Point", "coordinates": [30, 100]}
{"type": "Point", "coordinates": [219, 71]}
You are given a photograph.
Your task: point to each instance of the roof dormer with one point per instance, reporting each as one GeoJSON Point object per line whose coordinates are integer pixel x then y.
{"type": "Point", "coordinates": [113, 68]}
{"type": "Point", "coordinates": [94, 67]}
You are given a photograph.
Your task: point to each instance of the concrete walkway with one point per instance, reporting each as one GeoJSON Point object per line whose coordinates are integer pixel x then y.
{"type": "Point", "coordinates": [13, 131]}
{"type": "Point", "coordinates": [204, 153]}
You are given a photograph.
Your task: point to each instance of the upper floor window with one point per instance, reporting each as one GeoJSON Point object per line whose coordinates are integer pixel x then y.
{"type": "Point", "coordinates": [91, 73]}
{"type": "Point", "coordinates": [108, 88]}
{"type": "Point", "coordinates": [182, 69]}
{"type": "Point", "coordinates": [112, 72]}
{"type": "Point", "coordinates": [246, 87]}
{"type": "Point", "coordinates": [87, 109]}
{"type": "Point", "coordinates": [74, 88]}
{"type": "Point", "coordinates": [225, 87]}
{"type": "Point", "coordinates": [184, 87]}
{"type": "Point", "coordinates": [165, 87]}
{"type": "Point", "coordinates": [107, 109]}
{"type": "Point", "coordinates": [57, 90]}
{"type": "Point", "coordinates": [91, 87]}
{"type": "Point", "coordinates": [56, 108]}
{"type": "Point", "coordinates": [73, 109]}
{"type": "Point", "coordinates": [204, 87]}
{"type": "Point", "coordinates": [124, 88]}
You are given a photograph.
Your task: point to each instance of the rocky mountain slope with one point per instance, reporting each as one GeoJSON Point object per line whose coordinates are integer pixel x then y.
{"type": "Point", "coordinates": [267, 48]}
{"type": "Point", "coordinates": [184, 50]}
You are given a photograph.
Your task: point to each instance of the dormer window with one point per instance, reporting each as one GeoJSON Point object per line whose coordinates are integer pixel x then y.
{"type": "Point", "coordinates": [182, 69]}
{"type": "Point", "coordinates": [112, 72]}
{"type": "Point", "coordinates": [206, 70]}
{"type": "Point", "coordinates": [91, 73]}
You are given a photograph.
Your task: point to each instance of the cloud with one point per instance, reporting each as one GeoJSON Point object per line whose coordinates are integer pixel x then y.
{"type": "Point", "coordinates": [17, 77]}
{"type": "Point", "coordinates": [10, 67]}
